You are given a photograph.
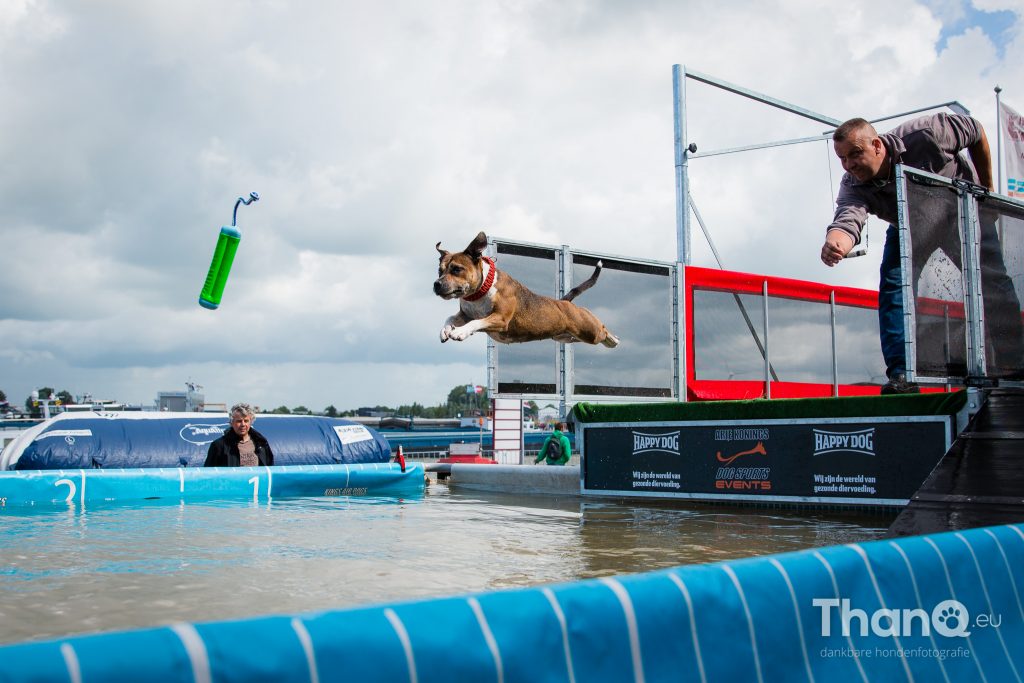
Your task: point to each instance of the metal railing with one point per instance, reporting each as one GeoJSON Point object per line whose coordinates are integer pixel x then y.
{"type": "Point", "coordinates": [962, 280]}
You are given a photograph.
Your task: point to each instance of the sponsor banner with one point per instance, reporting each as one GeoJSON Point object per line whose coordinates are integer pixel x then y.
{"type": "Point", "coordinates": [884, 460]}
{"type": "Point", "coordinates": [1012, 124]}
{"type": "Point", "coordinates": [352, 433]}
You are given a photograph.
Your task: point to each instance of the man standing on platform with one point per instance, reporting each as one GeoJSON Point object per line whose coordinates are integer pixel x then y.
{"type": "Point", "coordinates": [934, 144]}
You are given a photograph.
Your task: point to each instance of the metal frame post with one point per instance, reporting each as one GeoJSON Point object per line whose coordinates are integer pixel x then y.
{"type": "Point", "coordinates": [906, 265]}
{"type": "Point", "coordinates": [767, 354]}
{"type": "Point", "coordinates": [565, 354]}
{"type": "Point", "coordinates": [492, 350]}
{"type": "Point", "coordinates": [976, 367]}
{"type": "Point", "coordinates": [682, 179]}
{"type": "Point", "coordinates": [679, 367]}
{"type": "Point", "coordinates": [835, 359]}
{"type": "Point", "coordinates": [999, 143]}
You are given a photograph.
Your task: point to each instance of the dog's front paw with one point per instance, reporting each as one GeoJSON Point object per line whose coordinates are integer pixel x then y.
{"type": "Point", "coordinates": [458, 333]}
{"type": "Point", "coordinates": [446, 333]}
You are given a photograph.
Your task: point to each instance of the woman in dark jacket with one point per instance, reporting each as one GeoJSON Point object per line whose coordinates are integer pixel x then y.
{"type": "Point", "coordinates": [241, 445]}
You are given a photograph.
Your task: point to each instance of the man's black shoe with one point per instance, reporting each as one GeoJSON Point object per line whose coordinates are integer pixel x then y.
{"type": "Point", "coordinates": [898, 384]}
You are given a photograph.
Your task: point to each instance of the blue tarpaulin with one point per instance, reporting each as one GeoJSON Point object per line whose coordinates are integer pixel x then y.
{"type": "Point", "coordinates": [131, 440]}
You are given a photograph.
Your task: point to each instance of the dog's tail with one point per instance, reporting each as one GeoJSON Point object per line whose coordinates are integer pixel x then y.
{"type": "Point", "coordinates": [583, 286]}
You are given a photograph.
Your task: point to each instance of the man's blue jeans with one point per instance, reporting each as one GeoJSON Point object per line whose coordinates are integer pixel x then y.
{"type": "Point", "coordinates": [890, 306]}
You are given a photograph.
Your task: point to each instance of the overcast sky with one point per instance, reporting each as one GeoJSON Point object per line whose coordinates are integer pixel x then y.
{"type": "Point", "coordinates": [373, 130]}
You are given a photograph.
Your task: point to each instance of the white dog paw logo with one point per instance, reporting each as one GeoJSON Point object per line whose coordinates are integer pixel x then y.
{"type": "Point", "coordinates": [950, 619]}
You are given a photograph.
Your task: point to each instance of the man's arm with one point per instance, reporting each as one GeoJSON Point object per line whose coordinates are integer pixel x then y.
{"type": "Point", "coordinates": [543, 451]}
{"type": "Point", "coordinates": [838, 244]}
{"type": "Point", "coordinates": [844, 230]}
{"type": "Point", "coordinates": [981, 157]}
{"type": "Point", "coordinates": [212, 454]}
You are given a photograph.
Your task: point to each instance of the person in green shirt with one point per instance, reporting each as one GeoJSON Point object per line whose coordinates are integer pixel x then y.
{"type": "Point", "coordinates": [556, 449]}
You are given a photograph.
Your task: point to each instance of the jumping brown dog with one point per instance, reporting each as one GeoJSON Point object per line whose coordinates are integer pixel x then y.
{"type": "Point", "coordinates": [492, 301]}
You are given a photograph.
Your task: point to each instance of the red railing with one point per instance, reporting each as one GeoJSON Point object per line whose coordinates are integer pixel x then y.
{"type": "Point", "coordinates": [746, 283]}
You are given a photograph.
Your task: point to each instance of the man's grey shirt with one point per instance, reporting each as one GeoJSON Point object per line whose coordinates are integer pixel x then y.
{"type": "Point", "coordinates": [930, 143]}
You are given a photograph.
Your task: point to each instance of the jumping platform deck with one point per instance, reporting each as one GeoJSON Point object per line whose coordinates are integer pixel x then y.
{"type": "Point", "coordinates": [980, 480]}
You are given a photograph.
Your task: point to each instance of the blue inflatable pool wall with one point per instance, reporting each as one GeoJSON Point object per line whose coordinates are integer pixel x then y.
{"type": "Point", "coordinates": [930, 608]}
{"type": "Point", "coordinates": [131, 440]}
{"type": "Point", "coordinates": [82, 487]}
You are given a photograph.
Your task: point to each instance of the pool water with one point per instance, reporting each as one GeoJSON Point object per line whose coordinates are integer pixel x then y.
{"type": "Point", "coordinates": [116, 567]}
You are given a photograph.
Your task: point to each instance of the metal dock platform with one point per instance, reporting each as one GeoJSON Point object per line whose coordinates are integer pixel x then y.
{"type": "Point", "coordinates": [980, 480]}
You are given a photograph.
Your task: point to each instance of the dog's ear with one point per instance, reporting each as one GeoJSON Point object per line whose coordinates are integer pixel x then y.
{"type": "Point", "coordinates": [477, 246]}
{"type": "Point", "coordinates": [440, 251]}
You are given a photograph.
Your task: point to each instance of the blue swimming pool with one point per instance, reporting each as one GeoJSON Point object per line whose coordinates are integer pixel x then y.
{"type": "Point", "coordinates": [72, 571]}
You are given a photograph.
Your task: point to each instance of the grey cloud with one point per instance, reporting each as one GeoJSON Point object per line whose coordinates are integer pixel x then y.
{"type": "Point", "coordinates": [131, 128]}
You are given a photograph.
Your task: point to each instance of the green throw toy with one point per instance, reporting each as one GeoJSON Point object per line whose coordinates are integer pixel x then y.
{"type": "Point", "coordinates": [223, 257]}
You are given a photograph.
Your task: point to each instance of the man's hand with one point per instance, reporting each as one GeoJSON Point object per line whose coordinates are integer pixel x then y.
{"type": "Point", "coordinates": [837, 245]}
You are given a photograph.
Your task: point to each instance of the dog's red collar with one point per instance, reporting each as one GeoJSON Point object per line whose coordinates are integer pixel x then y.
{"type": "Point", "coordinates": [488, 281]}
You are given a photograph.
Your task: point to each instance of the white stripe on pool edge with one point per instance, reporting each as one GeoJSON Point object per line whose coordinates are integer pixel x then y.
{"type": "Point", "coordinates": [835, 587]}
{"type": "Point", "coordinates": [560, 615]}
{"type": "Point", "coordinates": [403, 636]}
{"type": "Point", "coordinates": [917, 595]}
{"type": "Point", "coordinates": [270, 482]}
{"type": "Point", "coordinates": [181, 480]}
{"type": "Point", "coordinates": [307, 647]}
{"type": "Point", "coordinates": [1009, 571]}
{"type": "Point", "coordinates": [878, 592]}
{"type": "Point", "coordinates": [984, 589]}
{"type": "Point", "coordinates": [796, 611]}
{"type": "Point", "coordinates": [71, 662]}
{"type": "Point", "coordinates": [488, 636]}
{"type": "Point", "coordinates": [83, 487]}
{"type": "Point", "coordinates": [631, 627]}
{"type": "Point", "coordinates": [750, 620]}
{"type": "Point", "coordinates": [693, 624]}
{"type": "Point", "coordinates": [196, 650]}
{"type": "Point", "coordinates": [952, 591]}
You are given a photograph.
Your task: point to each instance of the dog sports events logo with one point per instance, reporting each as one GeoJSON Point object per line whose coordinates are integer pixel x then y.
{"type": "Point", "coordinates": [751, 472]}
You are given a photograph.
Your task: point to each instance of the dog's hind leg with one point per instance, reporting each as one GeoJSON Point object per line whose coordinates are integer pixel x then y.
{"type": "Point", "coordinates": [610, 340]}
{"type": "Point", "coordinates": [583, 286]}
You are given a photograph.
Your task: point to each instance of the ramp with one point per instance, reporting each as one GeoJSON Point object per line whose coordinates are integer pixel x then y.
{"type": "Point", "coordinates": [980, 480]}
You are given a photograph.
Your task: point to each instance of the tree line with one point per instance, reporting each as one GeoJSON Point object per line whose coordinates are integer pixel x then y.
{"type": "Point", "coordinates": [459, 402]}
{"type": "Point", "coordinates": [462, 400]}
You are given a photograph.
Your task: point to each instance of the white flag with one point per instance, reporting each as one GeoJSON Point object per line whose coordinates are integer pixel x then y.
{"type": "Point", "coordinates": [1012, 125]}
